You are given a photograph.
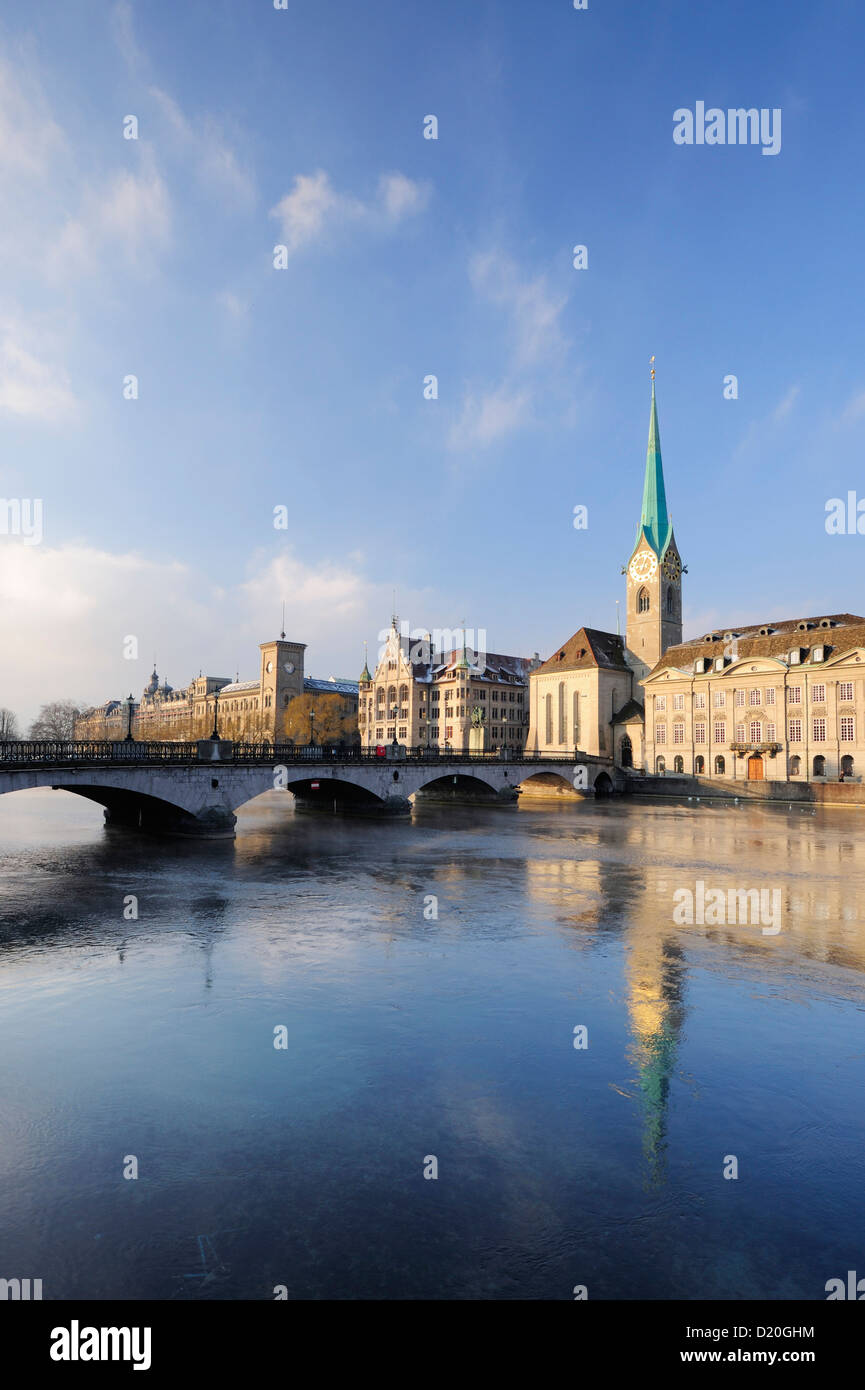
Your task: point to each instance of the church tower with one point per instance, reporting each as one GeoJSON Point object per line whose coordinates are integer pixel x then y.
{"type": "Point", "coordinates": [654, 583]}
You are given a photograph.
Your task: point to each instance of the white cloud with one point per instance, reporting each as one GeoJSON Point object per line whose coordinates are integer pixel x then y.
{"type": "Point", "coordinates": [129, 215]}
{"type": "Point", "coordinates": [205, 144]}
{"type": "Point", "coordinates": [78, 603]}
{"type": "Point", "coordinates": [785, 405]}
{"type": "Point", "coordinates": [314, 207]}
{"type": "Point", "coordinates": [29, 138]}
{"type": "Point", "coordinates": [490, 416]}
{"type": "Point", "coordinates": [536, 351]}
{"type": "Point", "coordinates": [534, 311]}
{"type": "Point", "coordinates": [31, 386]}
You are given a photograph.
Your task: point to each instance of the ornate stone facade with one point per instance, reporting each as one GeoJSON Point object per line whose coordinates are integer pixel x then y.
{"type": "Point", "coordinates": [422, 698]}
{"type": "Point", "coordinates": [249, 711]}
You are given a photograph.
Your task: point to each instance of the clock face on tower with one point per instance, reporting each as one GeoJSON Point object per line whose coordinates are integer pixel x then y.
{"type": "Point", "coordinates": [672, 565]}
{"type": "Point", "coordinates": [269, 667]}
{"type": "Point", "coordinates": [289, 666]}
{"type": "Point", "coordinates": [643, 566]}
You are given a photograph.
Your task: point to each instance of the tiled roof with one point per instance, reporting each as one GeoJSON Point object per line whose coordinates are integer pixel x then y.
{"type": "Point", "coordinates": [588, 647]}
{"type": "Point", "coordinates": [847, 631]}
{"type": "Point", "coordinates": [491, 666]}
{"type": "Point", "coordinates": [341, 687]}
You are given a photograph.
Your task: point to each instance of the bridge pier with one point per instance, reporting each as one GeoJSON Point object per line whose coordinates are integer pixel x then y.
{"type": "Point", "coordinates": [214, 823]}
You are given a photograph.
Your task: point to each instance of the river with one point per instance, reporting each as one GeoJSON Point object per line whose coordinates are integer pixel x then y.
{"type": "Point", "coordinates": [422, 981]}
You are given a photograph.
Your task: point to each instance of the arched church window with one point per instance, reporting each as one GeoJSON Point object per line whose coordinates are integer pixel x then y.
{"type": "Point", "coordinates": [549, 719]}
{"type": "Point", "coordinates": [563, 718]}
{"type": "Point", "coordinates": [643, 601]}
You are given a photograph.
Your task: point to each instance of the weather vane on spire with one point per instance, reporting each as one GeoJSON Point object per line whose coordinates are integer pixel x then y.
{"type": "Point", "coordinates": [652, 365]}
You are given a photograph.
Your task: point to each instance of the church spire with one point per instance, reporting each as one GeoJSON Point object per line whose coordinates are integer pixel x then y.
{"type": "Point", "coordinates": [655, 522]}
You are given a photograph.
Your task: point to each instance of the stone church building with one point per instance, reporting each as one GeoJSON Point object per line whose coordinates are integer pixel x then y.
{"type": "Point", "coordinates": [779, 700]}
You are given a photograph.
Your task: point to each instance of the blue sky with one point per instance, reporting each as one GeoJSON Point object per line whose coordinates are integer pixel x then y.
{"type": "Point", "coordinates": [304, 386]}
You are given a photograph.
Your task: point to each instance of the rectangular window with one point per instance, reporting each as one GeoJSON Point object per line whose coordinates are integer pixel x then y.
{"type": "Point", "coordinates": [700, 700]}
{"type": "Point", "coordinates": [819, 730]}
{"type": "Point", "coordinates": [847, 728]}
{"type": "Point", "coordinates": [740, 733]}
{"type": "Point", "coordinates": [678, 702]}
{"type": "Point", "coordinates": [770, 733]}
{"type": "Point", "coordinates": [795, 730]}
{"type": "Point", "coordinates": [845, 690]}
{"type": "Point", "coordinates": [660, 733]}
{"type": "Point", "coordinates": [794, 694]}
{"type": "Point", "coordinates": [660, 702]}
{"type": "Point", "coordinates": [740, 697]}
{"type": "Point", "coordinates": [719, 699]}
{"type": "Point", "coordinates": [753, 697]}
{"type": "Point", "coordinates": [699, 733]}
{"type": "Point", "coordinates": [818, 694]}
{"type": "Point", "coordinates": [678, 733]}
{"type": "Point", "coordinates": [770, 695]}
{"type": "Point", "coordinates": [754, 731]}
{"type": "Point", "coordinates": [721, 733]}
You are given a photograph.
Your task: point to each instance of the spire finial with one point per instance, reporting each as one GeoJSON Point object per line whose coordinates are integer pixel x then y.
{"type": "Point", "coordinates": [652, 365]}
{"type": "Point", "coordinates": [282, 631]}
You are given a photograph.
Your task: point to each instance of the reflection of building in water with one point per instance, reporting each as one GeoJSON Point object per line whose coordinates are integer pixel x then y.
{"type": "Point", "coordinates": [654, 972]}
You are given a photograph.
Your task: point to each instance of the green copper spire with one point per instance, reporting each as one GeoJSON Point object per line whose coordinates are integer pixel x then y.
{"type": "Point", "coordinates": [365, 675]}
{"type": "Point", "coordinates": [463, 664]}
{"type": "Point", "coordinates": [655, 522]}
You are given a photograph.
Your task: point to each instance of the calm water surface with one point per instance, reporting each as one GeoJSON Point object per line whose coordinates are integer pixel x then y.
{"type": "Point", "coordinates": [410, 1037]}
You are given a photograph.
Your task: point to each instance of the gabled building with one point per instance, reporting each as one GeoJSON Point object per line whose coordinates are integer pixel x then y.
{"type": "Point", "coordinates": [457, 699]}
{"type": "Point", "coordinates": [778, 701]}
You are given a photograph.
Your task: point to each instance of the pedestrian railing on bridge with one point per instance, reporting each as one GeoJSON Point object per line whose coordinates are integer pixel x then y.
{"type": "Point", "coordinates": [93, 752]}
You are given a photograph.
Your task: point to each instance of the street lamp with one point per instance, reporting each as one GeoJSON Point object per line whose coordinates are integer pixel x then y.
{"type": "Point", "coordinates": [130, 703]}
{"type": "Point", "coordinates": [311, 728]}
{"type": "Point", "coordinates": [215, 735]}
{"type": "Point", "coordinates": [394, 713]}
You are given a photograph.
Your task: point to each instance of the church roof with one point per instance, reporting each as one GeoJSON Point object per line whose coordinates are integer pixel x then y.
{"type": "Point", "coordinates": [835, 632]}
{"type": "Point", "coordinates": [630, 713]}
{"type": "Point", "coordinates": [588, 647]}
{"type": "Point", "coordinates": [655, 523]}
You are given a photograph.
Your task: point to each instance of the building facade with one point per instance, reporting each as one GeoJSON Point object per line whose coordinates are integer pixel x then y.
{"type": "Point", "coordinates": [459, 699]}
{"type": "Point", "coordinates": [282, 705]}
{"type": "Point", "coordinates": [783, 701]}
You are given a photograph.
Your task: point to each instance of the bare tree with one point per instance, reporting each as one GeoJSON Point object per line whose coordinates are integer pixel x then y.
{"type": "Point", "coordinates": [56, 720]}
{"type": "Point", "coordinates": [8, 726]}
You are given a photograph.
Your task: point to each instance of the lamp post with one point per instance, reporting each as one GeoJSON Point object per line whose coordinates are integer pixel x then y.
{"type": "Point", "coordinates": [312, 728]}
{"type": "Point", "coordinates": [129, 707]}
{"type": "Point", "coordinates": [394, 713]}
{"type": "Point", "coordinates": [215, 735]}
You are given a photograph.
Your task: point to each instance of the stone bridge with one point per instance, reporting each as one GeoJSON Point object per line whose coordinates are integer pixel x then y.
{"type": "Point", "coordinates": [195, 789]}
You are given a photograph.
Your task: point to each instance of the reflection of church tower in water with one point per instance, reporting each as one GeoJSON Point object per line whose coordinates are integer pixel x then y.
{"type": "Point", "coordinates": [654, 571]}
{"type": "Point", "coordinates": [654, 972]}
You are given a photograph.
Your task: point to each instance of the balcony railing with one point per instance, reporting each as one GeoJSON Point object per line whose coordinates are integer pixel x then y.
{"type": "Point", "coordinates": [102, 752]}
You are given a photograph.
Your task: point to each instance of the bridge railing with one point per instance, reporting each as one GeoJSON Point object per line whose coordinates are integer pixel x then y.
{"type": "Point", "coordinates": [71, 752]}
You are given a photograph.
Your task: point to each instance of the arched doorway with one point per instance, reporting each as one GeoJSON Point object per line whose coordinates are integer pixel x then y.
{"type": "Point", "coordinates": [755, 768]}
{"type": "Point", "coordinates": [679, 763]}
{"type": "Point", "coordinates": [626, 752]}
{"type": "Point", "coordinates": [795, 766]}
{"type": "Point", "coordinates": [700, 765]}
{"type": "Point", "coordinates": [660, 766]}
{"type": "Point", "coordinates": [819, 766]}
{"type": "Point", "coordinates": [720, 765]}
{"type": "Point", "coordinates": [847, 765]}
